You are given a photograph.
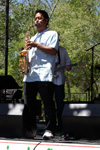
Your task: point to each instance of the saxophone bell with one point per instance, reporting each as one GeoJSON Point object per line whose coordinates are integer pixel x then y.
{"type": "Point", "coordinates": [24, 62]}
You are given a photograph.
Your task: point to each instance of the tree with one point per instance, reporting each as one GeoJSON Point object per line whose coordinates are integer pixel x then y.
{"type": "Point", "coordinates": [78, 24]}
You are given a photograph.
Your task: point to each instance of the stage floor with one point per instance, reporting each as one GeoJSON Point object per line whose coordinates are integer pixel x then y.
{"type": "Point", "coordinates": [57, 143]}
{"type": "Point", "coordinates": [11, 137]}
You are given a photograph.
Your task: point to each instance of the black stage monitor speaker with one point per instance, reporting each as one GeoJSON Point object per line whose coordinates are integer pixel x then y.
{"type": "Point", "coordinates": [11, 123]}
{"type": "Point", "coordinates": [81, 120]}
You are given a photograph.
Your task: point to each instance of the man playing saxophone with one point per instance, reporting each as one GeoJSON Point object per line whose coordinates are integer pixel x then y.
{"type": "Point", "coordinates": [42, 51]}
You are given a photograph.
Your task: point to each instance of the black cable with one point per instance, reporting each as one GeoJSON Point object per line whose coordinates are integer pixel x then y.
{"type": "Point", "coordinates": [37, 145]}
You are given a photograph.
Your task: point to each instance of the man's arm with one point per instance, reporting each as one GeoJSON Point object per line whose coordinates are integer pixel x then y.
{"type": "Point", "coordinates": [46, 49]}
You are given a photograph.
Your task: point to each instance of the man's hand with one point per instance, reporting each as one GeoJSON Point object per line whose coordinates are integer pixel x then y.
{"type": "Point", "coordinates": [31, 44]}
{"type": "Point", "coordinates": [68, 68]}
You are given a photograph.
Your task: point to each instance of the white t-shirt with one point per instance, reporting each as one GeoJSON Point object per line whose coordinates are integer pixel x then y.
{"type": "Point", "coordinates": [59, 77]}
{"type": "Point", "coordinates": [42, 64]}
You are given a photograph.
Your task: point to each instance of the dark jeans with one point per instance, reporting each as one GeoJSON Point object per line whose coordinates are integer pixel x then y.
{"type": "Point", "coordinates": [45, 90]}
{"type": "Point", "coordinates": [59, 96]}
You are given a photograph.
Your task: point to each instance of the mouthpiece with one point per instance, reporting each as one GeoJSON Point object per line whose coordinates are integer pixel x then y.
{"type": "Point", "coordinates": [36, 24]}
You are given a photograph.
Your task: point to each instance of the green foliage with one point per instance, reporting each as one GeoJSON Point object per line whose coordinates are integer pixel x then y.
{"type": "Point", "coordinates": [78, 24]}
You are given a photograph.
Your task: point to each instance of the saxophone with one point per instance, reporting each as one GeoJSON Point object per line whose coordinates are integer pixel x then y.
{"type": "Point", "coordinates": [25, 54]}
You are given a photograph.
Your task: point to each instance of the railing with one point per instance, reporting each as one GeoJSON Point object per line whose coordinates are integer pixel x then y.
{"type": "Point", "coordinates": [75, 97]}
{"type": "Point", "coordinates": [81, 97]}
{"type": "Point", "coordinates": [96, 97]}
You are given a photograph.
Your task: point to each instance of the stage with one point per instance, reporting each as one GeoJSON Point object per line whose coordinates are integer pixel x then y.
{"type": "Point", "coordinates": [81, 129]}
{"type": "Point", "coordinates": [55, 144]}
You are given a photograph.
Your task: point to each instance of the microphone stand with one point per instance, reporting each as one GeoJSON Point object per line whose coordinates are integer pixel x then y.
{"type": "Point", "coordinates": [92, 77]}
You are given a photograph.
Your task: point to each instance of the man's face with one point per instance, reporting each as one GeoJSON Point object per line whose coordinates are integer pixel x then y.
{"type": "Point", "coordinates": [40, 20]}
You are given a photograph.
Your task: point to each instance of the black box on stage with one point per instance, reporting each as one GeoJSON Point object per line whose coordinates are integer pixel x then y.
{"type": "Point", "coordinates": [11, 123]}
{"type": "Point", "coordinates": [81, 119]}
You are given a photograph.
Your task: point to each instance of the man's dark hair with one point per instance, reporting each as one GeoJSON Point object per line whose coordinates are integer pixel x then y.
{"type": "Point", "coordinates": [44, 13]}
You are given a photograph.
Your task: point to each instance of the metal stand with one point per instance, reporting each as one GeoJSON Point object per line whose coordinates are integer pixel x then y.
{"type": "Point", "coordinates": [92, 77]}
